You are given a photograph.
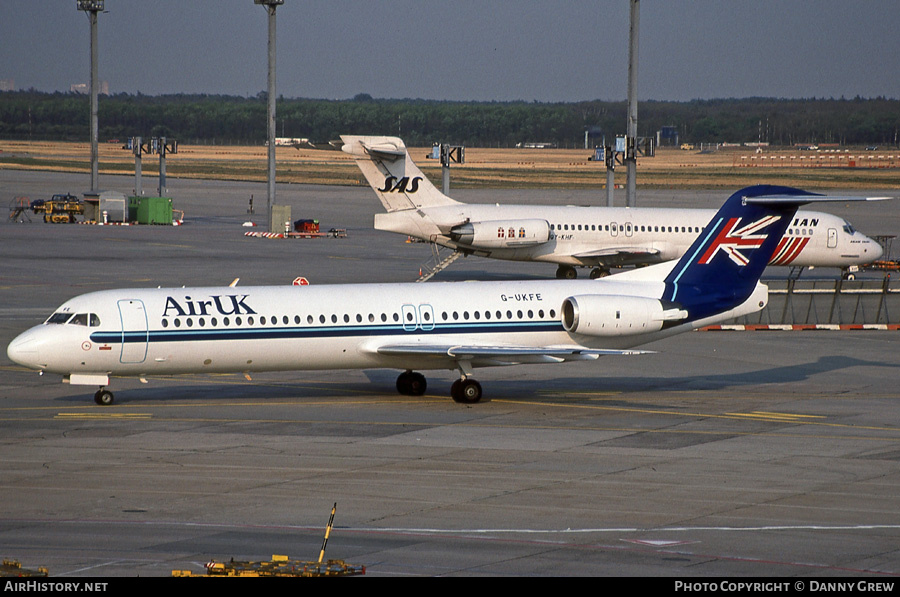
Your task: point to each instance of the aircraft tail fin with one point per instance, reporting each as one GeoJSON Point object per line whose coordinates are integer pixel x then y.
{"type": "Point", "coordinates": [723, 266]}
{"type": "Point", "coordinates": [394, 177]}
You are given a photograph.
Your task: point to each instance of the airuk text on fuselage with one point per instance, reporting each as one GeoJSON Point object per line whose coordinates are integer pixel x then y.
{"type": "Point", "coordinates": [230, 304]}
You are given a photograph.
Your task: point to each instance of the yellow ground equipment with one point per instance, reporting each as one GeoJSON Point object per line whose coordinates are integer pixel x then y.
{"type": "Point", "coordinates": [12, 568]}
{"type": "Point", "coordinates": [59, 209]}
{"type": "Point", "coordinates": [281, 565]}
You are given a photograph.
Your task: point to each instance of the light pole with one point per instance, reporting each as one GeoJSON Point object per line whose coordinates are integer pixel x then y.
{"type": "Point", "coordinates": [91, 8]}
{"type": "Point", "coordinates": [270, 6]}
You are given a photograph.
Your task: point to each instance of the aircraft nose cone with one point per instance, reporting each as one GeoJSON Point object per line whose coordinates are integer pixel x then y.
{"type": "Point", "coordinates": [874, 250]}
{"type": "Point", "coordinates": [23, 350]}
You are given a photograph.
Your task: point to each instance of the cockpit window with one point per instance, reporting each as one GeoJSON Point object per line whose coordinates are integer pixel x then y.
{"type": "Point", "coordinates": [85, 319]}
{"type": "Point", "coordinates": [59, 318]}
{"type": "Point", "coordinates": [848, 228]}
{"type": "Point", "coordinates": [79, 319]}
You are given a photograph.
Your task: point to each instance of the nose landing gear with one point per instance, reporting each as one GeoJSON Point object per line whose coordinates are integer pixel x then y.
{"type": "Point", "coordinates": [104, 397]}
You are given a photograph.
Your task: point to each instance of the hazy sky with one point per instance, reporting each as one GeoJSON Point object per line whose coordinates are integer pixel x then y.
{"type": "Point", "coordinates": [543, 50]}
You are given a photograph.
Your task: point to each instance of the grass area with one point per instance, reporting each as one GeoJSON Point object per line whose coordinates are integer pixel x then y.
{"type": "Point", "coordinates": [484, 168]}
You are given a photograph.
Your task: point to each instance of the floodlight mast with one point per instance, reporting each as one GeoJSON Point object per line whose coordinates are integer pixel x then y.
{"type": "Point", "coordinates": [631, 131]}
{"type": "Point", "coordinates": [91, 8]}
{"type": "Point", "coordinates": [270, 6]}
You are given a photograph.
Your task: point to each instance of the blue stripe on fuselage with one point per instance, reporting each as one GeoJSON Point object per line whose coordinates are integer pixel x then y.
{"type": "Point", "coordinates": [193, 335]}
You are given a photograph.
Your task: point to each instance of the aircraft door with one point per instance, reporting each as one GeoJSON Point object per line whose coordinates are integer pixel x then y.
{"type": "Point", "coordinates": [832, 238]}
{"type": "Point", "coordinates": [417, 318]}
{"type": "Point", "coordinates": [135, 331]}
{"type": "Point", "coordinates": [629, 229]}
{"type": "Point", "coordinates": [614, 229]}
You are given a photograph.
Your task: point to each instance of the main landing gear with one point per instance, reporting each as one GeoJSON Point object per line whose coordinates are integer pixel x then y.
{"type": "Point", "coordinates": [104, 397]}
{"type": "Point", "coordinates": [464, 391]}
{"type": "Point", "coordinates": [567, 272]}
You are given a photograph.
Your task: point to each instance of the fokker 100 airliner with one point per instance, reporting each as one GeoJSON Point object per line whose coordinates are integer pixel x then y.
{"type": "Point", "coordinates": [573, 236]}
{"type": "Point", "coordinates": [451, 325]}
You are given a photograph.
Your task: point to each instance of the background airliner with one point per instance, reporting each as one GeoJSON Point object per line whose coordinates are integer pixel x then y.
{"type": "Point", "coordinates": [571, 236]}
{"type": "Point", "coordinates": [452, 325]}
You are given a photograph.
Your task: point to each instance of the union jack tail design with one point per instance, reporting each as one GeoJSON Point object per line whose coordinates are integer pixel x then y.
{"type": "Point", "coordinates": [723, 266]}
{"type": "Point", "coordinates": [733, 240]}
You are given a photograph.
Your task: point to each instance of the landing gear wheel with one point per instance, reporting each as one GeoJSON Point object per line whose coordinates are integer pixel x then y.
{"type": "Point", "coordinates": [465, 391]}
{"type": "Point", "coordinates": [565, 272]}
{"type": "Point", "coordinates": [103, 397]}
{"type": "Point", "coordinates": [599, 272]}
{"type": "Point", "coordinates": [411, 383]}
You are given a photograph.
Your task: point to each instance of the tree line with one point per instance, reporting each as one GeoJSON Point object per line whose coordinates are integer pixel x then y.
{"type": "Point", "coordinates": [233, 120]}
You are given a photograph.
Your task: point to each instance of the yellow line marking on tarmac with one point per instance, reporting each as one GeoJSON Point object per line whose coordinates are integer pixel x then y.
{"type": "Point", "coordinates": [770, 416]}
{"type": "Point", "coordinates": [102, 415]}
{"type": "Point", "coordinates": [796, 419]}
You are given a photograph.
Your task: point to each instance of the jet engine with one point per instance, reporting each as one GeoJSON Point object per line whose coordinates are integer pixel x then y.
{"type": "Point", "coordinates": [616, 315]}
{"type": "Point", "coordinates": [502, 234]}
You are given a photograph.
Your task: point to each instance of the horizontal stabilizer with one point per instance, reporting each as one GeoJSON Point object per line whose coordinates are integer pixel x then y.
{"type": "Point", "coordinates": [385, 148]}
{"type": "Point", "coordinates": [808, 198]}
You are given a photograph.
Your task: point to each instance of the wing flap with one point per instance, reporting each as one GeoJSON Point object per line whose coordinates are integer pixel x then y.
{"type": "Point", "coordinates": [502, 354]}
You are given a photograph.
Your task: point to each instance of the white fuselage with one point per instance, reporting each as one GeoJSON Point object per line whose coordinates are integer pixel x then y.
{"type": "Point", "coordinates": [143, 332]}
{"type": "Point", "coordinates": [591, 236]}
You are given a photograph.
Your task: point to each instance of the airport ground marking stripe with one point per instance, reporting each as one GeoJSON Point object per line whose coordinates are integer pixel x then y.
{"type": "Point", "coordinates": [692, 414]}
{"type": "Point", "coordinates": [103, 415]}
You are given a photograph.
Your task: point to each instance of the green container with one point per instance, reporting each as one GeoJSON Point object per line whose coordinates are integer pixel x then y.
{"type": "Point", "coordinates": [151, 210]}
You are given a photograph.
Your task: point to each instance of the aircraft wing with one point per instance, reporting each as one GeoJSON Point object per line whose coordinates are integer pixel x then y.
{"type": "Point", "coordinates": [614, 256]}
{"type": "Point", "coordinates": [502, 355]}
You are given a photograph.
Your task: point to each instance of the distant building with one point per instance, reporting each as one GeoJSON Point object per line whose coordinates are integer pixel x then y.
{"type": "Point", "coordinates": [85, 88]}
{"type": "Point", "coordinates": [7, 85]}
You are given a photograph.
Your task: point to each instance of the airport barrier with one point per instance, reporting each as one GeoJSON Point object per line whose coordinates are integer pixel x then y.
{"type": "Point", "coordinates": [826, 304]}
{"type": "Point", "coordinates": [830, 160]}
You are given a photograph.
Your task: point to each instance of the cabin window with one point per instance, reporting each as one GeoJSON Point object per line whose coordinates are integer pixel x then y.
{"type": "Point", "coordinates": [476, 314]}
{"type": "Point", "coordinates": [509, 314]}
{"type": "Point", "coordinates": [371, 318]}
{"type": "Point", "coordinates": [346, 318]}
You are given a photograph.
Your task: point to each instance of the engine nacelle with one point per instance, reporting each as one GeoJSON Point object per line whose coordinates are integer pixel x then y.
{"type": "Point", "coordinates": [502, 234]}
{"type": "Point", "coordinates": [616, 315]}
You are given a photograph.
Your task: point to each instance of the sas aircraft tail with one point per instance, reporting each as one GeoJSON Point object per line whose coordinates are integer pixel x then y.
{"type": "Point", "coordinates": [396, 179]}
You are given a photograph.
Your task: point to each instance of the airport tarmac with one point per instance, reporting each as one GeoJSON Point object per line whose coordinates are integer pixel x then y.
{"type": "Point", "coordinates": [722, 454]}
